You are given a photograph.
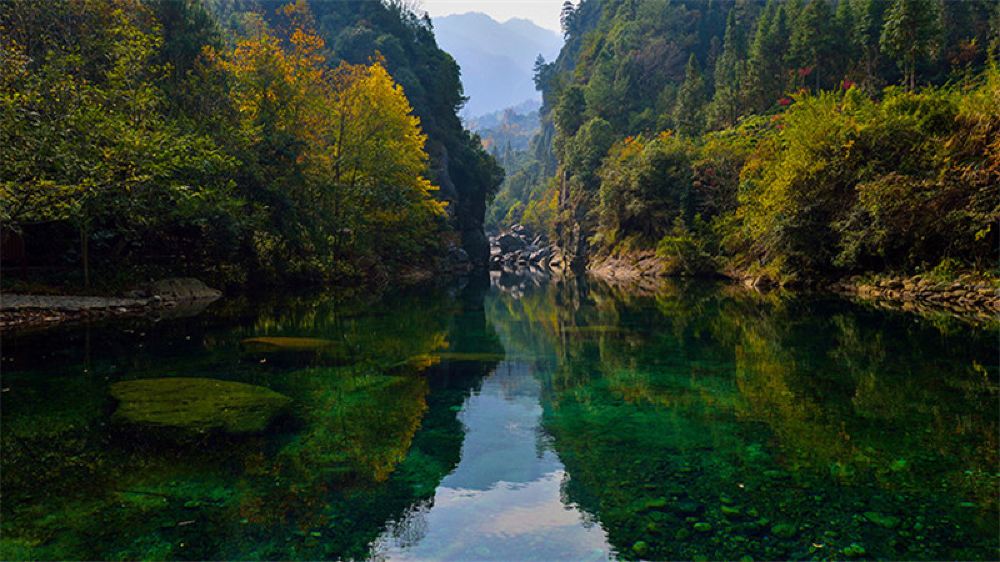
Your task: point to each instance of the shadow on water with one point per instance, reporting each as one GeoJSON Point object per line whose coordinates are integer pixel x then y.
{"type": "Point", "coordinates": [528, 419]}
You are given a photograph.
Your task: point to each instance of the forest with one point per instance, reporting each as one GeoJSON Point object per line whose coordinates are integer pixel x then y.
{"type": "Point", "coordinates": [249, 142]}
{"type": "Point", "coordinates": [794, 141]}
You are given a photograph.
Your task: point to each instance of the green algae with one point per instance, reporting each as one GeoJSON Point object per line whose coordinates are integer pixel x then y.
{"type": "Point", "coordinates": [196, 404]}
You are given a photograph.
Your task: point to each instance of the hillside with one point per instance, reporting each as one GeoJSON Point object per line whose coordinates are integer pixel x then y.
{"type": "Point", "coordinates": [792, 141]}
{"type": "Point", "coordinates": [496, 59]}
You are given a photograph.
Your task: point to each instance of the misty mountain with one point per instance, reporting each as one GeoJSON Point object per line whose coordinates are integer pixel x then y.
{"type": "Point", "coordinates": [496, 58]}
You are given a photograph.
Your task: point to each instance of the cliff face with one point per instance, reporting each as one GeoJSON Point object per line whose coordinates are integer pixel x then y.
{"type": "Point", "coordinates": [466, 186]}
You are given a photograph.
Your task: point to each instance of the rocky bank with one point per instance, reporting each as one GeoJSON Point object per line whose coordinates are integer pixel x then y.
{"type": "Point", "coordinates": [163, 298]}
{"type": "Point", "coordinates": [517, 249]}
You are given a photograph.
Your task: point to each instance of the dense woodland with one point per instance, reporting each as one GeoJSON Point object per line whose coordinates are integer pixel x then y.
{"type": "Point", "coordinates": [794, 140]}
{"type": "Point", "coordinates": [246, 141]}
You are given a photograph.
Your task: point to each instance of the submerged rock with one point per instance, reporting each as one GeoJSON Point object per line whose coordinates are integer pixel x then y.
{"type": "Point", "coordinates": [287, 344]}
{"type": "Point", "coordinates": [882, 520]}
{"type": "Point", "coordinates": [784, 530]}
{"type": "Point", "coordinates": [196, 404]}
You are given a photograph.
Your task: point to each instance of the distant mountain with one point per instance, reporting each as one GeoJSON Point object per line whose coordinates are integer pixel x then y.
{"type": "Point", "coordinates": [497, 59]}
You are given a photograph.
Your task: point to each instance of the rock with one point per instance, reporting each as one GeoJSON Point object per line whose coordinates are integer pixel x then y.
{"type": "Point", "coordinates": [882, 520]}
{"type": "Point", "coordinates": [688, 507]}
{"type": "Point", "coordinates": [278, 343]}
{"type": "Point", "coordinates": [458, 259]}
{"type": "Point", "coordinates": [197, 405]}
{"type": "Point", "coordinates": [657, 503]}
{"type": "Point", "coordinates": [181, 288]}
{"type": "Point", "coordinates": [510, 243]}
{"type": "Point", "coordinates": [702, 527]}
{"type": "Point", "coordinates": [784, 530]}
{"type": "Point", "coordinates": [855, 550]}
{"type": "Point", "coordinates": [730, 511]}
{"type": "Point", "coordinates": [640, 548]}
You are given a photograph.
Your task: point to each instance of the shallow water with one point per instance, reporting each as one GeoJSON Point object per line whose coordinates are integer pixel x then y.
{"type": "Point", "coordinates": [523, 420]}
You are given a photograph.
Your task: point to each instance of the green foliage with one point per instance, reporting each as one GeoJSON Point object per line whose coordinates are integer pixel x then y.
{"type": "Point", "coordinates": [852, 184]}
{"type": "Point", "coordinates": [686, 251]}
{"type": "Point", "coordinates": [168, 140]}
{"type": "Point", "coordinates": [910, 31]}
{"type": "Point", "coordinates": [645, 186]}
{"type": "Point", "coordinates": [688, 116]}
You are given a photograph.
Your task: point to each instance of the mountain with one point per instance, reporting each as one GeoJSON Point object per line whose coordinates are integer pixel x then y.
{"type": "Point", "coordinates": [497, 59]}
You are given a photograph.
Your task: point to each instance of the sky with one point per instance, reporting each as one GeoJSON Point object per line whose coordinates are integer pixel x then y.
{"type": "Point", "coordinates": [544, 13]}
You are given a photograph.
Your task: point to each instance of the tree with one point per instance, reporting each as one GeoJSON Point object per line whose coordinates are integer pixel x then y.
{"type": "Point", "coordinates": [868, 16]}
{"type": "Point", "coordinates": [688, 116]}
{"type": "Point", "coordinates": [569, 112]}
{"type": "Point", "coordinates": [729, 99]}
{"type": "Point", "coordinates": [765, 69]}
{"type": "Point", "coordinates": [909, 35]}
{"type": "Point", "coordinates": [813, 44]}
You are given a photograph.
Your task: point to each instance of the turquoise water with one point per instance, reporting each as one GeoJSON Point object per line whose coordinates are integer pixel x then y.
{"type": "Point", "coordinates": [523, 420]}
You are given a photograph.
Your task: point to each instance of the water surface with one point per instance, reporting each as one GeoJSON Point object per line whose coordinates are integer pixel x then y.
{"type": "Point", "coordinates": [524, 420]}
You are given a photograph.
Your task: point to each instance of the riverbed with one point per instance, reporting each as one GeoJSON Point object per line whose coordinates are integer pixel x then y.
{"type": "Point", "coordinates": [518, 419]}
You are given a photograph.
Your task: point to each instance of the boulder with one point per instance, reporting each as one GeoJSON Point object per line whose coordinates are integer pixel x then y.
{"type": "Point", "coordinates": [196, 405]}
{"type": "Point", "coordinates": [181, 288]}
{"type": "Point", "coordinates": [278, 343]}
{"type": "Point", "coordinates": [510, 243]}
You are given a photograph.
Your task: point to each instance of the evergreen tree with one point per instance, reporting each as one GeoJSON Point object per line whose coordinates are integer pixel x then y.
{"type": "Point", "coordinates": [813, 45]}
{"type": "Point", "coordinates": [765, 69]}
{"type": "Point", "coordinates": [846, 45]}
{"type": "Point", "coordinates": [868, 15]}
{"type": "Point", "coordinates": [688, 116]}
{"type": "Point", "coordinates": [729, 99]}
{"type": "Point", "coordinates": [909, 35]}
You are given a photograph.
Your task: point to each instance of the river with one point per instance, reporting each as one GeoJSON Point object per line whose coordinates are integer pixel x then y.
{"type": "Point", "coordinates": [522, 419]}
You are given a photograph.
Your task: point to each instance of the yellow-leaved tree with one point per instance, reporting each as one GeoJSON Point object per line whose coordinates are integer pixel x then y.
{"type": "Point", "coordinates": [341, 147]}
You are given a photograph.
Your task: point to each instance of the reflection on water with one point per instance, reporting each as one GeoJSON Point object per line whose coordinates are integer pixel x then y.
{"type": "Point", "coordinates": [503, 501]}
{"type": "Point", "coordinates": [528, 420]}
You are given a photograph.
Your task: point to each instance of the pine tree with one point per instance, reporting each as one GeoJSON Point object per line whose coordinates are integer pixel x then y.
{"type": "Point", "coordinates": [813, 43]}
{"type": "Point", "coordinates": [909, 34]}
{"type": "Point", "coordinates": [765, 69]}
{"type": "Point", "coordinates": [728, 102]}
{"type": "Point", "coordinates": [847, 49]}
{"type": "Point", "coordinates": [688, 117]}
{"type": "Point", "coordinates": [868, 15]}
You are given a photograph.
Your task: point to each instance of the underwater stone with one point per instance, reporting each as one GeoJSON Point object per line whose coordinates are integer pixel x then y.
{"type": "Point", "coordinates": [882, 520]}
{"type": "Point", "coordinates": [658, 503]}
{"type": "Point", "coordinates": [702, 527]}
{"type": "Point", "coordinates": [197, 404]}
{"type": "Point", "coordinates": [287, 344]}
{"type": "Point", "coordinates": [730, 511]}
{"type": "Point", "coordinates": [784, 531]}
{"type": "Point", "coordinates": [854, 550]}
{"type": "Point", "coordinates": [640, 548]}
{"type": "Point", "coordinates": [688, 507]}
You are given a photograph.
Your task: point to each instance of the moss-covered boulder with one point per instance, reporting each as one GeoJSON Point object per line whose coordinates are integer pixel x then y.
{"type": "Point", "coordinates": [196, 404]}
{"type": "Point", "coordinates": [278, 343]}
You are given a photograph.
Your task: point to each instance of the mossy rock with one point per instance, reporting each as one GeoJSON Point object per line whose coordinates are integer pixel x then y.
{"type": "Point", "coordinates": [287, 344]}
{"type": "Point", "coordinates": [197, 405]}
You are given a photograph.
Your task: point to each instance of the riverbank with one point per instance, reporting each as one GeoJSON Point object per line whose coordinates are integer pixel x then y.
{"type": "Point", "coordinates": [165, 298]}
{"type": "Point", "coordinates": [971, 296]}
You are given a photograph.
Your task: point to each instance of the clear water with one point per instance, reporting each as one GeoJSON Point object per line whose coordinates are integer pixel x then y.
{"type": "Point", "coordinates": [523, 420]}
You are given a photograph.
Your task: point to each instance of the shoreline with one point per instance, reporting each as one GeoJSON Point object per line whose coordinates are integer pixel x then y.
{"type": "Point", "coordinates": [968, 297]}
{"type": "Point", "coordinates": [166, 298]}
